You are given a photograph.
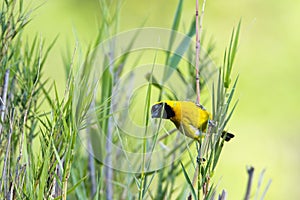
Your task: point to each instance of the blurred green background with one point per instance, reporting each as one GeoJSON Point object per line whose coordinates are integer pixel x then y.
{"type": "Point", "coordinates": [266, 120]}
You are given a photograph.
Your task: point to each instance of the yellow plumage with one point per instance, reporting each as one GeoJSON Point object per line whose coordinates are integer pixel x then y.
{"type": "Point", "coordinates": [188, 117]}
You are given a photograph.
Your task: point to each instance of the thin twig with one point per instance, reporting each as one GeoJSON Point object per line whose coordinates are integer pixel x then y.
{"type": "Point", "coordinates": [108, 160]}
{"type": "Point", "coordinates": [197, 170]}
{"type": "Point", "coordinates": [223, 196]}
{"type": "Point", "coordinates": [56, 189]}
{"type": "Point", "coordinates": [3, 98]}
{"type": "Point", "coordinates": [195, 175]}
{"type": "Point", "coordinates": [5, 173]}
{"type": "Point", "coordinates": [198, 45]}
{"type": "Point", "coordinates": [67, 90]}
{"type": "Point", "coordinates": [91, 161]}
{"type": "Point", "coordinates": [91, 168]}
{"type": "Point", "coordinates": [205, 186]}
{"type": "Point", "coordinates": [197, 54]}
{"type": "Point", "coordinates": [261, 177]}
{"type": "Point", "coordinates": [203, 148]}
{"type": "Point", "coordinates": [250, 172]}
{"type": "Point", "coordinates": [266, 189]}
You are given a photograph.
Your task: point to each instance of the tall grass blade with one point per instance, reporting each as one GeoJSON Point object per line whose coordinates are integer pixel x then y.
{"type": "Point", "coordinates": [188, 181]}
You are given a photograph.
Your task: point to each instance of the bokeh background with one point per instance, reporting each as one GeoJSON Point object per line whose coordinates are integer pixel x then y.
{"type": "Point", "coordinates": [266, 121]}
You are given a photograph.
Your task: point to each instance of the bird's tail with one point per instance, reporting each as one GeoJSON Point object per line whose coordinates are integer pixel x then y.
{"type": "Point", "coordinates": [227, 136]}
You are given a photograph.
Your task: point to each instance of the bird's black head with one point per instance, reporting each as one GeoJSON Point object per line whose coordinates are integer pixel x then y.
{"type": "Point", "coordinates": [162, 110]}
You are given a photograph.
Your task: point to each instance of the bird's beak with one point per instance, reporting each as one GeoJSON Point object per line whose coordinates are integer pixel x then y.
{"type": "Point", "coordinates": [156, 111]}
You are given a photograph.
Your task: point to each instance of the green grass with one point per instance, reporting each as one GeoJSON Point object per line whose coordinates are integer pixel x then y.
{"type": "Point", "coordinates": [75, 148]}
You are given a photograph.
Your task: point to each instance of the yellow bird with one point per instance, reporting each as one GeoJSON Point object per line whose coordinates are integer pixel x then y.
{"type": "Point", "coordinates": [188, 117]}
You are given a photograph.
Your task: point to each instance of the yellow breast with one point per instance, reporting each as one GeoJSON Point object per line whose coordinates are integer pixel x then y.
{"type": "Point", "coordinates": [189, 118]}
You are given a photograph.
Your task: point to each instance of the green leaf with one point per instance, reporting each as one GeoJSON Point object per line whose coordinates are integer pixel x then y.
{"type": "Point", "coordinates": [188, 180]}
{"type": "Point", "coordinates": [175, 26]}
{"type": "Point", "coordinates": [177, 55]}
{"type": "Point", "coordinates": [232, 50]}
